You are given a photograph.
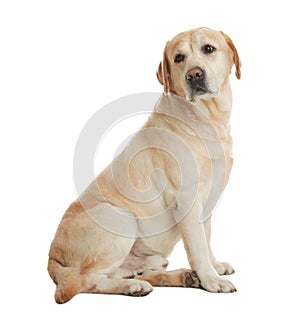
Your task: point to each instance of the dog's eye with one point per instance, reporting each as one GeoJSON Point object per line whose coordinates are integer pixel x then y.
{"type": "Point", "coordinates": [179, 58]}
{"type": "Point", "coordinates": [208, 49]}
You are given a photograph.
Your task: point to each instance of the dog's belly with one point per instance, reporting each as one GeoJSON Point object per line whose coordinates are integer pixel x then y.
{"type": "Point", "coordinates": [150, 253]}
{"type": "Point", "coordinates": [134, 262]}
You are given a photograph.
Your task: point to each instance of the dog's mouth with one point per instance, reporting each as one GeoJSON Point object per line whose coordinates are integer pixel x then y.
{"type": "Point", "coordinates": [193, 92]}
{"type": "Point", "coordinates": [200, 90]}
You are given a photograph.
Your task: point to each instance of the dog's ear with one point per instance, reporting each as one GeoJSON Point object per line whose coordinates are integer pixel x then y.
{"type": "Point", "coordinates": [236, 58]}
{"type": "Point", "coordinates": [163, 72]}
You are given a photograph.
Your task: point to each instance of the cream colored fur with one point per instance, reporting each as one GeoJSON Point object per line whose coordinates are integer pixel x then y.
{"type": "Point", "coordinates": [87, 257]}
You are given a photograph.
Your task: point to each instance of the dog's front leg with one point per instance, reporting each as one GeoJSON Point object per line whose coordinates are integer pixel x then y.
{"type": "Point", "coordinates": [197, 248]}
{"type": "Point", "coordinates": [223, 268]}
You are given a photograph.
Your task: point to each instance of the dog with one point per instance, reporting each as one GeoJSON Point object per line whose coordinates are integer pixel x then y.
{"type": "Point", "coordinates": [86, 256]}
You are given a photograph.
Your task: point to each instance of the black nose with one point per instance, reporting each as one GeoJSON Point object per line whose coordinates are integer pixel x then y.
{"type": "Point", "coordinates": [194, 74]}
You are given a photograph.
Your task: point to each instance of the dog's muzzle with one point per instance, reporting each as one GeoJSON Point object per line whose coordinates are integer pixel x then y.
{"type": "Point", "coordinates": [196, 81]}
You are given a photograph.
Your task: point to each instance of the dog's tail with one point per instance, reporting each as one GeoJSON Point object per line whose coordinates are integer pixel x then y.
{"type": "Point", "coordinates": [68, 281]}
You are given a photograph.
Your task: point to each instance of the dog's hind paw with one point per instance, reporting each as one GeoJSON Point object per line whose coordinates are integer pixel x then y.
{"type": "Point", "coordinates": [138, 288]}
{"type": "Point", "coordinates": [191, 279]}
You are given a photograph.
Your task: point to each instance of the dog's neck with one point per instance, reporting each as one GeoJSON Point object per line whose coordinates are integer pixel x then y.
{"type": "Point", "coordinates": [218, 110]}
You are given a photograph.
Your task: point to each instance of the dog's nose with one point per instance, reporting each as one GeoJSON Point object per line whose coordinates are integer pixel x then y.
{"type": "Point", "coordinates": [194, 74]}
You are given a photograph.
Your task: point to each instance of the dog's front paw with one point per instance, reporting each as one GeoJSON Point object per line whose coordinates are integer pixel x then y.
{"type": "Point", "coordinates": [223, 268]}
{"type": "Point", "coordinates": [217, 285]}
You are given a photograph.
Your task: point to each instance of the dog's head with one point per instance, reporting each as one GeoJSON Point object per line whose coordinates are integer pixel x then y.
{"type": "Point", "coordinates": [196, 63]}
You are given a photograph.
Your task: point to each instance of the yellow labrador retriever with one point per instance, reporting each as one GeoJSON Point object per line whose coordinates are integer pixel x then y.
{"type": "Point", "coordinates": [89, 253]}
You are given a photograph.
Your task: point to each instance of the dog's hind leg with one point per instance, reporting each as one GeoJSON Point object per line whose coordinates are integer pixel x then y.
{"type": "Point", "coordinates": [175, 278]}
{"type": "Point", "coordinates": [101, 284]}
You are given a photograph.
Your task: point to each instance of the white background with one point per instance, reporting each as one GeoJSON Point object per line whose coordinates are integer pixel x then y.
{"type": "Point", "coordinates": [63, 60]}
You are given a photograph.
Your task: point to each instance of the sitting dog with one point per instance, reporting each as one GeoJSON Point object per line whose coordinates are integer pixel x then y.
{"type": "Point", "coordinates": [192, 119]}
